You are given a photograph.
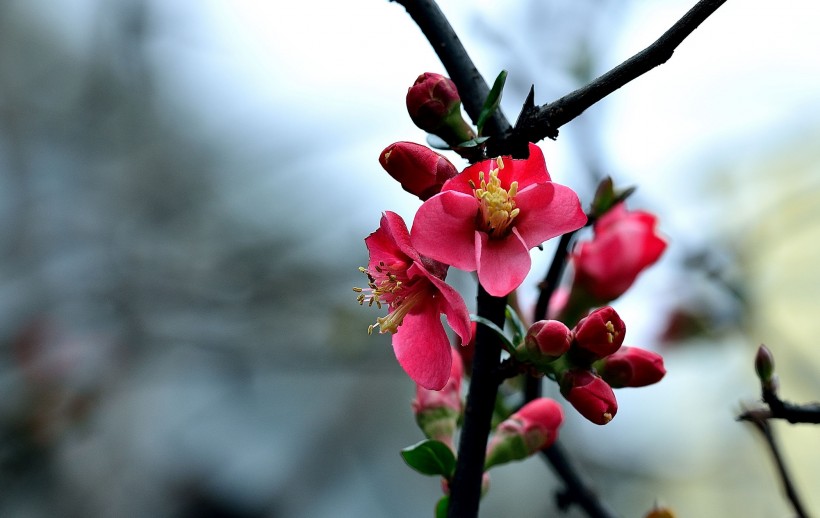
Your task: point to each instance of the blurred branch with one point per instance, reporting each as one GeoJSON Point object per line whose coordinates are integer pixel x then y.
{"type": "Point", "coordinates": [536, 123]}
{"type": "Point", "coordinates": [762, 425]}
{"type": "Point", "coordinates": [576, 490]}
{"type": "Point", "coordinates": [779, 409]}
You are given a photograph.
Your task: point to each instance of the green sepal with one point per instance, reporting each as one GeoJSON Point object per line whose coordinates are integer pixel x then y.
{"type": "Point", "coordinates": [492, 101]}
{"type": "Point", "coordinates": [606, 197]}
{"type": "Point", "coordinates": [519, 331]}
{"type": "Point", "coordinates": [430, 457]}
{"type": "Point", "coordinates": [442, 506]}
{"type": "Point", "coordinates": [508, 345]}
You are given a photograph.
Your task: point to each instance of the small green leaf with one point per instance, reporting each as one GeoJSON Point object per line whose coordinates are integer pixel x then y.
{"type": "Point", "coordinates": [436, 142]}
{"type": "Point", "coordinates": [519, 331]}
{"type": "Point", "coordinates": [481, 320]}
{"type": "Point", "coordinates": [430, 457]}
{"type": "Point", "coordinates": [442, 506]}
{"type": "Point", "coordinates": [492, 101]}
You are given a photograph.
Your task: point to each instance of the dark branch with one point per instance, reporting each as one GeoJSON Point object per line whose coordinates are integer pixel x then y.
{"type": "Point", "coordinates": [779, 409]}
{"type": "Point", "coordinates": [536, 123]}
{"type": "Point", "coordinates": [465, 488]}
{"type": "Point", "coordinates": [576, 490]}
{"type": "Point", "coordinates": [763, 426]}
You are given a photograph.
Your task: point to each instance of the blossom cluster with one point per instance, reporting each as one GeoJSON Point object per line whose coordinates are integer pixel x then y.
{"type": "Point", "coordinates": [485, 219]}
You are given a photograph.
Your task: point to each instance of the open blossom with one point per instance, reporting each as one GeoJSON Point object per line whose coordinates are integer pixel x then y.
{"type": "Point", "coordinates": [489, 216]}
{"type": "Point", "coordinates": [413, 289]}
{"type": "Point", "coordinates": [625, 243]}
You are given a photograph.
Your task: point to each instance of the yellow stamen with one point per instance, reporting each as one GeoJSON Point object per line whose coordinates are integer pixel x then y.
{"type": "Point", "coordinates": [498, 208]}
{"type": "Point", "coordinates": [391, 322]}
{"type": "Point", "coordinates": [611, 334]}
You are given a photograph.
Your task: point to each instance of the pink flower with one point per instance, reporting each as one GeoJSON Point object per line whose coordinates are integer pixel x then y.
{"type": "Point", "coordinates": [632, 367]}
{"type": "Point", "coordinates": [591, 396]}
{"type": "Point", "coordinates": [434, 106]}
{"type": "Point", "coordinates": [528, 431]}
{"type": "Point", "coordinates": [413, 289]}
{"type": "Point", "coordinates": [488, 218]}
{"type": "Point", "coordinates": [419, 169]}
{"type": "Point", "coordinates": [624, 244]}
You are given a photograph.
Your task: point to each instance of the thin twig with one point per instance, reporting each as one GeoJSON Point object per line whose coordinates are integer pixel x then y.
{"type": "Point", "coordinates": [576, 490]}
{"type": "Point", "coordinates": [763, 426]}
{"type": "Point", "coordinates": [536, 123]}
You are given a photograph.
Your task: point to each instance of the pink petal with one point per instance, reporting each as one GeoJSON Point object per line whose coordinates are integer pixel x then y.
{"type": "Point", "coordinates": [525, 172]}
{"type": "Point", "coordinates": [547, 210]}
{"type": "Point", "coordinates": [444, 229]}
{"type": "Point", "coordinates": [397, 228]}
{"type": "Point", "coordinates": [423, 349]}
{"type": "Point", "coordinates": [503, 263]}
{"type": "Point", "coordinates": [454, 308]}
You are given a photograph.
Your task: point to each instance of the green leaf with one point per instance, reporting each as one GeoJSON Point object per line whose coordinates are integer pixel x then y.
{"type": "Point", "coordinates": [519, 331]}
{"type": "Point", "coordinates": [481, 320]}
{"type": "Point", "coordinates": [436, 142]}
{"type": "Point", "coordinates": [442, 506]}
{"type": "Point", "coordinates": [430, 457]}
{"type": "Point", "coordinates": [492, 101]}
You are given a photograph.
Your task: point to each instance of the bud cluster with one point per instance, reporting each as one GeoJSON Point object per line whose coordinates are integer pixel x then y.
{"type": "Point", "coordinates": [589, 360]}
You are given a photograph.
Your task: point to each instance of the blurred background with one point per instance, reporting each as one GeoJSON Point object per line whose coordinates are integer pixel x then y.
{"type": "Point", "coordinates": [185, 188]}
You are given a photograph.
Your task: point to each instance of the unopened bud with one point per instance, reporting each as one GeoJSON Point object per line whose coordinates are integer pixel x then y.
{"type": "Point", "coordinates": [437, 411]}
{"type": "Point", "coordinates": [600, 333]}
{"type": "Point", "coordinates": [591, 396]}
{"type": "Point", "coordinates": [420, 170]}
{"type": "Point", "coordinates": [546, 340]}
{"type": "Point", "coordinates": [764, 365]}
{"type": "Point", "coordinates": [435, 106]}
{"type": "Point", "coordinates": [631, 367]}
{"type": "Point", "coordinates": [528, 431]}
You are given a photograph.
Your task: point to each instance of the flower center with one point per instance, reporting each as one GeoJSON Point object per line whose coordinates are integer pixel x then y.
{"type": "Point", "coordinates": [497, 205]}
{"type": "Point", "coordinates": [611, 334]}
{"type": "Point", "coordinates": [385, 287]}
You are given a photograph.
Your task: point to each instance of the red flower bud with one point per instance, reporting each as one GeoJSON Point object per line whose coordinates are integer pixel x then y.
{"type": "Point", "coordinates": [437, 411]}
{"type": "Point", "coordinates": [632, 367]}
{"type": "Point", "coordinates": [419, 169]}
{"type": "Point", "coordinates": [601, 332]}
{"type": "Point", "coordinates": [624, 244]}
{"type": "Point", "coordinates": [528, 431]}
{"type": "Point", "coordinates": [435, 106]}
{"type": "Point", "coordinates": [591, 396]}
{"type": "Point", "coordinates": [545, 341]}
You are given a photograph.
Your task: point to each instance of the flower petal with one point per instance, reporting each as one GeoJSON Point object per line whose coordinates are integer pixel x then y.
{"type": "Point", "coordinates": [397, 228]}
{"type": "Point", "coordinates": [503, 264]}
{"type": "Point", "coordinates": [526, 172]}
{"type": "Point", "coordinates": [547, 210]}
{"type": "Point", "coordinates": [444, 228]}
{"type": "Point", "coordinates": [454, 308]}
{"type": "Point", "coordinates": [423, 349]}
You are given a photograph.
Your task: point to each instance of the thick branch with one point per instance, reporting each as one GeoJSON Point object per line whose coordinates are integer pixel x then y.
{"type": "Point", "coordinates": [465, 488]}
{"type": "Point", "coordinates": [536, 123]}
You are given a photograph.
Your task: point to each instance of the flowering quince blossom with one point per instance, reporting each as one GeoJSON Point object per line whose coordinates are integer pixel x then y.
{"type": "Point", "coordinates": [489, 216]}
{"type": "Point", "coordinates": [625, 243]}
{"type": "Point", "coordinates": [632, 367]}
{"type": "Point", "coordinates": [591, 396]}
{"type": "Point", "coordinates": [413, 289]}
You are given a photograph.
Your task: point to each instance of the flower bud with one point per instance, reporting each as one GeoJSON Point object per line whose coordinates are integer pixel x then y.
{"type": "Point", "coordinates": [420, 170]}
{"type": "Point", "coordinates": [435, 106]}
{"type": "Point", "coordinates": [546, 340]}
{"type": "Point", "coordinates": [528, 431]}
{"type": "Point", "coordinates": [600, 333]}
{"type": "Point", "coordinates": [764, 365]}
{"type": "Point", "coordinates": [631, 367]}
{"type": "Point", "coordinates": [625, 243]}
{"type": "Point", "coordinates": [591, 396]}
{"type": "Point", "coordinates": [437, 411]}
